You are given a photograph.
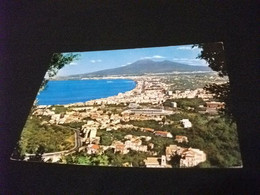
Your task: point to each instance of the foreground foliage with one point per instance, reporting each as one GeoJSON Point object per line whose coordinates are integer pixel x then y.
{"type": "Point", "coordinates": [52, 137]}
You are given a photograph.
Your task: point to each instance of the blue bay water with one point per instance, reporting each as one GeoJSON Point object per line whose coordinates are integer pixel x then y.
{"type": "Point", "coordinates": [73, 91]}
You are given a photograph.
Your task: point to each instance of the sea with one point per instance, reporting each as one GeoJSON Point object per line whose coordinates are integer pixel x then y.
{"type": "Point", "coordinates": [74, 91]}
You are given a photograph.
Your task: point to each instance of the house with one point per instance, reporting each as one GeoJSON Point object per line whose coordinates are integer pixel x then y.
{"type": "Point", "coordinates": [151, 145]}
{"type": "Point", "coordinates": [148, 130]}
{"type": "Point", "coordinates": [172, 150]}
{"type": "Point", "coordinates": [180, 139]}
{"type": "Point", "coordinates": [93, 149]}
{"type": "Point", "coordinates": [163, 134]}
{"type": "Point", "coordinates": [135, 145]}
{"type": "Point", "coordinates": [133, 105]}
{"type": "Point", "coordinates": [147, 138]}
{"type": "Point", "coordinates": [129, 136]}
{"type": "Point", "coordinates": [174, 104]}
{"type": "Point", "coordinates": [191, 157]}
{"type": "Point", "coordinates": [213, 107]}
{"type": "Point", "coordinates": [186, 123]}
{"type": "Point", "coordinates": [156, 162]}
{"type": "Point", "coordinates": [119, 147]}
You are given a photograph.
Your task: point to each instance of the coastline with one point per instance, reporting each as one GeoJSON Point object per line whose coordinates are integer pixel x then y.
{"type": "Point", "coordinates": [118, 96]}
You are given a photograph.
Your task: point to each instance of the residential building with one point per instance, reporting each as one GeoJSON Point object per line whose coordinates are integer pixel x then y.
{"type": "Point", "coordinates": [163, 134]}
{"type": "Point", "coordinates": [186, 123]}
{"type": "Point", "coordinates": [156, 162]}
{"type": "Point", "coordinates": [93, 149]}
{"type": "Point", "coordinates": [174, 104]}
{"type": "Point", "coordinates": [213, 107]}
{"type": "Point", "coordinates": [191, 157]}
{"type": "Point", "coordinates": [119, 147]}
{"type": "Point", "coordinates": [180, 139]}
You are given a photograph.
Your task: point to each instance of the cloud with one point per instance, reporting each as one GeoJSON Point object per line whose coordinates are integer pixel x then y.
{"type": "Point", "coordinates": [186, 48]}
{"type": "Point", "coordinates": [95, 61]}
{"type": "Point", "coordinates": [73, 63]}
{"type": "Point", "coordinates": [154, 57]}
{"type": "Point", "coordinates": [191, 61]}
{"type": "Point", "coordinates": [126, 64]}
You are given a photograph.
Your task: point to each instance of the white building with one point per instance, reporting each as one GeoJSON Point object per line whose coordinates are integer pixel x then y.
{"type": "Point", "coordinates": [186, 123]}
{"type": "Point", "coordinates": [192, 157]}
{"type": "Point", "coordinates": [174, 104]}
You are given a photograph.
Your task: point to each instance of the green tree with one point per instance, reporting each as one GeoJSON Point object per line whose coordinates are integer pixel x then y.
{"type": "Point", "coordinates": [213, 54]}
{"type": "Point", "coordinates": [38, 155]}
{"type": "Point", "coordinates": [100, 160]}
{"type": "Point", "coordinates": [221, 93]}
{"type": "Point", "coordinates": [84, 160]}
{"type": "Point", "coordinates": [57, 62]}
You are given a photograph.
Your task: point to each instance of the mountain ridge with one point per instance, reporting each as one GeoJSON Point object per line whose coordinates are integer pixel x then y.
{"type": "Point", "coordinates": [146, 66]}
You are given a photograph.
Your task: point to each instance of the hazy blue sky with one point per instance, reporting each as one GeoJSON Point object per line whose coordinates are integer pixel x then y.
{"type": "Point", "coordinates": [100, 60]}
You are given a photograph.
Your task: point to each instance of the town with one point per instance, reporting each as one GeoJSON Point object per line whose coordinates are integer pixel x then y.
{"type": "Point", "coordinates": [148, 125]}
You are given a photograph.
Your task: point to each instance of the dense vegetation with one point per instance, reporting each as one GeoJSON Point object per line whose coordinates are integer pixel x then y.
{"type": "Point", "coordinates": [52, 137]}
{"type": "Point", "coordinates": [109, 158]}
{"type": "Point", "coordinates": [186, 103]}
{"type": "Point", "coordinates": [84, 159]}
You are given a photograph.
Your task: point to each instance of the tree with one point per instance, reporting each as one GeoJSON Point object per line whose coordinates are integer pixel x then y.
{"type": "Point", "coordinates": [84, 160]}
{"type": "Point", "coordinates": [100, 160]}
{"type": "Point", "coordinates": [57, 62]}
{"type": "Point", "coordinates": [213, 54]}
{"type": "Point", "coordinates": [221, 93]}
{"type": "Point", "coordinates": [38, 155]}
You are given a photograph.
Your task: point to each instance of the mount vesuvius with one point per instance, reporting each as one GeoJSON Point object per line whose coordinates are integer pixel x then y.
{"type": "Point", "coordinates": [146, 66]}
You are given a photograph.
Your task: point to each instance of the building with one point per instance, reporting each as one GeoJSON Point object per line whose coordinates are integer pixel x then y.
{"type": "Point", "coordinates": [174, 104]}
{"type": "Point", "coordinates": [133, 105]}
{"type": "Point", "coordinates": [135, 145]}
{"type": "Point", "coordinates": [172, 150]}
{"type": "Point", "coordinates": [148, 130]}
{"type": "Point", "coordinates": [93, 149]}
{"type": "Point", "coordinates": [213, 107]}
{"type": "Point", "coordinates": [156, 162]}
{"type": "Point", "coordinates": [186, 123]}
{"type": "Point", "coordinates": [191, 157]}
{"type": "Point", "coordinates": [163, 134]}
{"type": "Point", "coordinates": [119, 147]}
{"type": "Point", "coordinates": [180, 139]}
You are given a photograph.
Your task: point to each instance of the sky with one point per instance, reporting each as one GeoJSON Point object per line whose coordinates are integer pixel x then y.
{"type": "Point", "coordinates": [101, 60]}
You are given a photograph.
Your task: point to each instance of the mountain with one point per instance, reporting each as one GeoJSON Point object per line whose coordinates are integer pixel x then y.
{"type": "Point", "coordinates": [147, 66]}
